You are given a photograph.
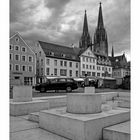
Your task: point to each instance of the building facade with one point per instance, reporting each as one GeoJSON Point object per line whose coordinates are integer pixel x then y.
{"type": "Point", "coordinates": [121, 67]}
{"type": "Point", "coordinates": [88, 63]}
{"type": "Point", "coordinates": [22, 62]}
{"type": "Point", "coordinates": [56, 61]}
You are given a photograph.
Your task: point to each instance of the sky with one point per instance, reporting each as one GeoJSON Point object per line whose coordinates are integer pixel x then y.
{"type": "Point", "coordinates": [61, 21]}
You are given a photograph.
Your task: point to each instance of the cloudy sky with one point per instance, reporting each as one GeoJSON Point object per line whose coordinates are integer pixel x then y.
{"type": "Point", "coordinates": [61, 21]}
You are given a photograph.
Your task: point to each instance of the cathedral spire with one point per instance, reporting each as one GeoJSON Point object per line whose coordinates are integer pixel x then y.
{"type": "Point", "coordinates": [100, 36]}
{"type": "Point", "coordinates": [85, 26]}
{"type": "Point", "coordinates": [112, 52]}
{"type": "Point", "coordinates": [100, 18]}
{"type": "Point", "coordinates": [85, 40]}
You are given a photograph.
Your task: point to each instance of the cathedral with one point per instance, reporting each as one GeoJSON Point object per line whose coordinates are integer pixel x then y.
{"type": "Point", "coordinates": [99, 45]}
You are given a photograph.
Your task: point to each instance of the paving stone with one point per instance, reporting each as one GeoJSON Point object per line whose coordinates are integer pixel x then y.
{"type": "Point", "coordinates": [18, 124]}
{"type": "Point", "coordinates": [35, 134]}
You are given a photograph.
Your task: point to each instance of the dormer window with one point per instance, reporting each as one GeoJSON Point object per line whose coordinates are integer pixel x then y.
{"type": "Point", "coordinates": [51, 53]}
{"type": "Point", "coordinates": [63, 55]}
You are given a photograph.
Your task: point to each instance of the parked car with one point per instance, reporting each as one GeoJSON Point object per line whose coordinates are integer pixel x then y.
{"type": "Point", "coordinates": [67, 84]}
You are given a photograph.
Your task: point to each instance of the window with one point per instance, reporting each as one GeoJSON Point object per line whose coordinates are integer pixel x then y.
{"type": "Point", "coordinates": [11, 67]}
{"type": "Point", "coordinates": [55, 72]}
{"type": "Point", "coordinates": [63, 55]}
{"type": "Point", "coordinates": [70, 64]}
{"type": "Point", "coordinates": [17, 39]}
{"type": "Point", "coordinates": [47, 61]}
{"type": "Point", "coordinates": [76, 73]}
{"type": "Point", "coordinates": [102, 68]}
{"type": "Point", "coordinates": [88, 73]}
{"type": "Point", "coordinates": [93, 73]}
{"type": "Point", "coordinates": [98, 67]}
{"type": "Point", "coordinates": [98, 74]}
{"type": "Point", "coordinates": [23, 49]}
{"type": "Point", "coordinates": [17, 67]}
{"type": "Point", "coordinates": [41, 62]}
{"type": "Point", "coordinates": [69, 80]}
{"type": "Point", "coordinates": [40, 53]}
{"type": "Point", "coordinates": [61, 63]}
{"type": "Point", "coordinates": [11, 47]}
{"type": "Point", "coordinates": [62, 80]}
{"type": "Point", "coordinates": [17, 48]}
{"type": "Point", "coordinates": [90, 60]}
{"type": "Point", "coordinates": [11, 56]}
{"type": "Point", "coordinates": [86, 66]}
{"type": "Point", "coordinates": [76, 65]}
{"type": "Point", "coordinates": [23, 68]}
{"type": "Point", "coordinates": [16, 77]}
{"type": "Point", "coordinates": [41, 71]}
{"type": "Point", "coordinates": [90, 67]}
{"type": "Point", "coordinates": [65, 63]}
{"type": "Point", "coordinates": [30, 59]}
{"type": "Point", "coordinates": [17, 57]}
{"type": "Point", "coordinates": [87, 59]}
{"type": "Point", "coordinates": [63, 72]}
{"type": "Point", "coordinates": [70, 72]}
{"type": "Point", "coordinates": [93, 67]}
{"type": "Point", "coordinates": [23, 58]}
{"type": "Point", "coordinates": [51, 53]}
{"type": "Point", "coordinates": [83, 73]}
{"type": "Point", "coordinates": [93, 60]}
{"type": "Point", "coordinates": [109, 69]}
{"type": "Point", "coordinates": [28, 80]}
{"type": "Point", "coordinates": [83, 66]}
{"type": "Point", "coordinates": [83, 59]}
{"type": "Point", "coordinates": [30, 68]}
{"type": "Point", "coordinates": [55, 62]}
{"type": "Point", "coordinates": [47, 71]}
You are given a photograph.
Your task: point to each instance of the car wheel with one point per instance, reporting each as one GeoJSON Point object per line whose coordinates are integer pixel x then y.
{"type": "Point", "coordinates": [68, 89]}
{"type": "Point", "coordinates": [42, 89]}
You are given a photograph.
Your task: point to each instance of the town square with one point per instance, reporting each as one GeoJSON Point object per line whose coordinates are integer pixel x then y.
{"type": "Point", "coordinates": [69, 70]}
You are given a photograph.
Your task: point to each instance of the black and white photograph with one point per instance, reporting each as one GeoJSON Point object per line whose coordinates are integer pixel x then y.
{"type": "Point", "coordinates": [69, 69]}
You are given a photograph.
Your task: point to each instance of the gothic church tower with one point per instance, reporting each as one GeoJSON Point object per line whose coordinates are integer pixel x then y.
{"type": "Point", "coordinates": [100, 36]}
{"type": "Point", "coordinates": [85, 40]}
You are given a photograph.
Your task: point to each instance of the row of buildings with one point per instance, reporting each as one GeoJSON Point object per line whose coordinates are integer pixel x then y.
{"type": "Point", "coordinates": [33, 61]}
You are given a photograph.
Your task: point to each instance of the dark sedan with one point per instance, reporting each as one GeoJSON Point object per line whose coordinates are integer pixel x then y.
{"type": "Point", "coordinates": [67, 84]}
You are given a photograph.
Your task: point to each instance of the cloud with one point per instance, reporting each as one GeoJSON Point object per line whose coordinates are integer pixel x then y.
{"type": "Point", "coordinates": [61, 21]}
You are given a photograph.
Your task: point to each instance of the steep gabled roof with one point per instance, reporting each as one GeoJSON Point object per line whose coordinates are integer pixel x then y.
{"type": "Point", "coordinates": [118, 61]}
{"type": "Point", "coordinates": [69, 53]}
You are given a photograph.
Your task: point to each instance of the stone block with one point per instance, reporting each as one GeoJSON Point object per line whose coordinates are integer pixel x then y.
{"type": "Point", "coordinates": [84, 103]}
{"type": "Point", "coordinates": [24, 108]}
{"type": "Point", "coordinates": [80, 126]}
{"type": "Point", "coordinates": [89, 90]}
{"type": "Point", "coordinates": [22, 93]}
{"type": "Point", "coordinates": [117, 132]}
